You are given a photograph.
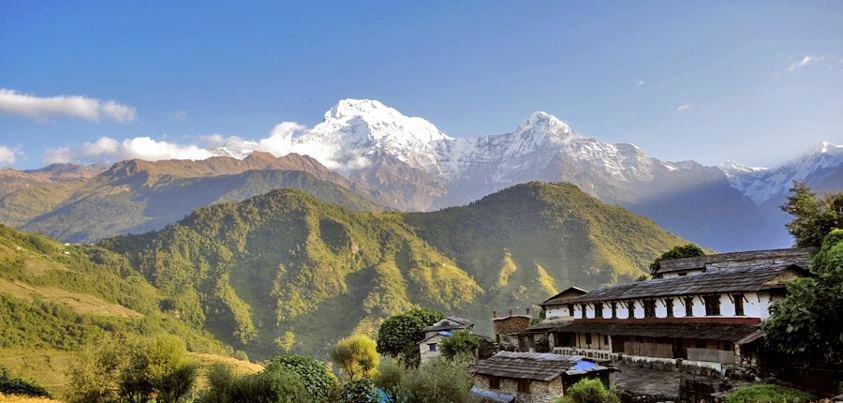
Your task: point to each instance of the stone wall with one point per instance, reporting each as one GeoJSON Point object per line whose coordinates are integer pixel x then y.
{"type": "Point", "coordinates": [540, 392]}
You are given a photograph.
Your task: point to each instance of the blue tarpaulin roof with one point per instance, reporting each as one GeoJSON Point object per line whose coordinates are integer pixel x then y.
{"type": "Point", "coordinates": [492, 395]}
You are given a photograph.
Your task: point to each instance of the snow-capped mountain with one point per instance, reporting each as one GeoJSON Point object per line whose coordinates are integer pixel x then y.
{"type": "Point", "coordinates": [813, 167]}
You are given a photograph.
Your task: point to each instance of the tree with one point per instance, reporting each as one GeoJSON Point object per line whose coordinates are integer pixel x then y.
{"type": "Point", "coordinates": [813, 216]}
{"type": "Point", "coordinates": [460, 343]}
{"type": "Point", "coordinates": [589, 391]}
{"type": "Point", "coordinates": [678, 252]}
{"type": "Point", "coordinates": [269, 387]}
{"type": "Point", "coordinates": [157, 368]}
{"type": "Point", "coordinates": [315, 377]}
{"type": "Point", "coordinates": [400, 334]}
{"type": "Point", "coordinates": [764, 392]}
{"type": "Point", "coordinates": [357, 355]}
{"type": "Point", "coordinates": [359, 391]}
{"type": "Point", "coordinates": [437, 381]}
{"type": "Point", "coordinates": [799, 329]}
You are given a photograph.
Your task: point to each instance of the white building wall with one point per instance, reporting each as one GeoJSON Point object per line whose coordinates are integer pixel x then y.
{"type": "Point", "coordinates": [639, 309]}
{"type": "Point", "coordinates": [699, 307]}
{"type": "Point", "coordinates": [661, 308]}
{"type": "Point", "coordinates": [557, 312]}
{"type": "Point", "coordinates": [589, 311]}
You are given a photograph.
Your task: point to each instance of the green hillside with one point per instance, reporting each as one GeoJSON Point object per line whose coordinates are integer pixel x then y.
{"type": "Point", "coordinates": [285, 271]}
{"type": "Point", "coordinates": [142, 200]}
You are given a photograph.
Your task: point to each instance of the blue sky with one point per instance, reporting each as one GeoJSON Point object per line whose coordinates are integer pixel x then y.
{"type": "Point", "coordinates": [756, 82]}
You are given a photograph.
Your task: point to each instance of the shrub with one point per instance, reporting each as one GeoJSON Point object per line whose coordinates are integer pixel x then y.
{"type": "Point", "coordinates": [317, 380]}
{"type": "Point", "coordinates": [460, 343]}
{"type": "Point", "coordinates": [357, 355]}
{"type": "Point", "coordinates": [17, 386]}
{"type": "Point", "coordinates": [157, 368]}
{"type": "Point", "coordinates": [269, 387]}
{"type": "Point", "coordinates": [361, 391]}
{"type": "Point", "coordinates": [221, 380]}
{"type": "Point", "coordinates": [438, 381]}
{"type": "Point", "coordinates": [400, 334]}
{"type": "Point", "coordinates": [762, 392]}
{"type": "Point", "coordinates": [389, 378]}
{"type": "Point", "coordinates": [588, 391]}
{"type": "Point", "coordinates": [678, 252]}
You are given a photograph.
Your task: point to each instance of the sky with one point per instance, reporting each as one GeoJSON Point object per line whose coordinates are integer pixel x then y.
{"type": "Point", "coordinates": [86, 81]}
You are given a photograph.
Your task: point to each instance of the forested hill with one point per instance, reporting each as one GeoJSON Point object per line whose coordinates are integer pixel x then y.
{"type": "Point", "coordinates": [285, 271]}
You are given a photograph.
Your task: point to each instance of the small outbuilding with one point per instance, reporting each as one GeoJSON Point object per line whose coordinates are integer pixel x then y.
{"type": "Point", "coordinates": [532, 377]}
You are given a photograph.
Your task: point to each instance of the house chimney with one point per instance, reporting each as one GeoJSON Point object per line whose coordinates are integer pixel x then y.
{"type": "Point", "coordinates": [528, 311]}
{"type": "Point", "coordinates": [494, 314]}
{"type": "Point", "coordinates": [510, 312]}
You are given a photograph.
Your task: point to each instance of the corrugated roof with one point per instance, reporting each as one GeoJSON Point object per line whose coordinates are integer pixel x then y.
{"type": "Point", "coordinates": [745, 279]}
{"type": "Point", "coordinates": [798, 256]}
{"type": "Point", "coordinates": [712, 331]}
{"type": "Point", "coordinates": [535, 366]}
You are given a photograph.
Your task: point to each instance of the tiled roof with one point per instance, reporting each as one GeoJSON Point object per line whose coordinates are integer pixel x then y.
{"type": "Point", "coordinates": [536, 366]}
{"type": "Point", "coordinates": [712, 331]}
{"type": "Point", "coordinates": [745, 279]}
{"type": "Point", "coordinates": [798, 256]}
{"type": "Point", "coordinates": [564, 296]}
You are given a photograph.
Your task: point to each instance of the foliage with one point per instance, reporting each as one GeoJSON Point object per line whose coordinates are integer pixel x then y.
{"type": "Point", "coordinates": [359, 391]}
{"type": "Point", "coordinates": [221, 381]}
{"type": "Point", "coordinates": [798, 328]}
{"type": "Point", "coordinates": [813, 216]}
{"type": "Point", "coordinates": [17, 386]}
{"type": "Point", "coordinates": [357, 355]}
{"type": "Point", "coordinates": [762, 392]}
{"type": "Point", "coordinates": [133, 370]}
{"type": "Point", "coordinates": [315, 377]}
{"type": "Point", "coordinates": [677, 252]}
{"type": "Point", "coordinates": [400, 334]}
{"type": "Point", "coordinates": [542, 345]}
{"type": "Point", "coordinates": [437, 381]}
{"type": "Point", "coordinates": [460, 343]}
{"type": "Point", "coordinates": [389, 378]}
{"type": "Point", "coordinates": [589, 391]}
{"type": "Point", "coordinates": [269, 387]}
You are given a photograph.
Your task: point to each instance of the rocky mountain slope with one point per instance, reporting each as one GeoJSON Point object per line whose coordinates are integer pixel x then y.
{"type": "Point", "coordinates": [287, 271]}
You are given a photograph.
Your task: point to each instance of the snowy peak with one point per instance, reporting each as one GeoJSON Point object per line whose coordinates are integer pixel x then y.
{"type": "Point", "coordinates": [542, 125]}
{"type": "Point", "coordinates": [378, 121]}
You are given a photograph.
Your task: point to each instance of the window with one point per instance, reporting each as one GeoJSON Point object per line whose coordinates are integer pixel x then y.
{"type": "Point", "coordinates": [588, 339]}
{"type": "Point", "coordinates": [570, 309]}
{"type": "Point", "coordinates": [630, 309]}
{"type": "Point", "coordinates": [583, 307]}
{"type": "Point", "coordinates": [605, 340]}
{"type": "Point", "coordinates": [523, 386]}
{"type": "Point", "coordinates": [738, 304]}
{"type": "Point", "coordinates": [432, 346]}
{"type": "Point", "coordinates": [649, 308]}
{"type": "Point", "coordinates": [700, 343]}
{"type": "Point", "coordinates": [689, 306]}
{"type": "Point", "coordinates": [614, 310]}
{"type": "Point", "coordinates": [712, 305]}
{"type": "Point", "coordinates": [668, 304]}
{"type": "Point", "coordinates": [598, 310]}
{"type": "Point", "coordinates": [494, 382]}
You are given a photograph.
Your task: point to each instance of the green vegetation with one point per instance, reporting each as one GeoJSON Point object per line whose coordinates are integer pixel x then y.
{"type": "Point", "coordinates": [813, 216]}
{"type": "Point", "coordinates": [16, 386]}
{"type": "Point", "coordinates": [357, 355]}
{"type": "Point", "coordinates": [400, 334]}
{"type": "Point", "coordinates": [317, 380]}
{"type": "Point", "coordinates": [437, 381]}
{"type": "Point", "coordinates": [134, 370]}
{"type": "Point", "coordinates": [798, 328]}
{"type": "Point", "coordinates": [678, 252]}
{"type": "Point", "coordinates": [762, 393]}
{"type": "Point", "coordinates": [589, 391]}
{"type": "Point", "coordinates": [460, 343]}
{"type": "Point", "coordinates": [359, 391]}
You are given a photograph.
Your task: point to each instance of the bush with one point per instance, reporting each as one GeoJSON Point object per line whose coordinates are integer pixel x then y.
{"type": "Point", "coordinates": [588, 391]}
{"type": "Point", "coordinates": [389, 378]}
{"type": "Point", "coordinates": [460, 343]}
{"type": "Point", "coordinates": [399, 334]}
{"type": "Point", "coordinates": [362, 391]}
{"type": "Point", "coordinates": [18, 386]}
{"type": "Point", "coordinates": [357, 355]}
{"type": "Point", "coordinates": [269, 387]}
{"type": "Point", "coordinates": [767, 393]}
{"type": "Point", "coordinates": [221, 381]}
{"type": "Point", "coordinates": [678, 252]}
{"type": "Point", "coordinates": [438, 381]}
{"type": "Point", "coordinates": [317, 380]}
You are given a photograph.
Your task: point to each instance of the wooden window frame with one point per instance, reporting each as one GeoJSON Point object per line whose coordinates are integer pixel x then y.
{"type": "Point", "coordinates": [738, 301]}
{"type": "Point", "coordinates": [712, 305]}
{"type": "Point", "coordinates": [523, 386]}
{"type": "Point", "coordinates": [494, 383]}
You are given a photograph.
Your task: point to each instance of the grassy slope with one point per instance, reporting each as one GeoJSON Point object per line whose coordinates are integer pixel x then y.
{"type": "Point", "coordinates": [142, 202]}
{"type": "Point", "coordinates": [286, 264]}
{"type": "Point", "coordinates": [55, 298]}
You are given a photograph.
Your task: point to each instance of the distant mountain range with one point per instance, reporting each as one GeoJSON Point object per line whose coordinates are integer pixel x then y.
{"type": "Point", "coordinates": [384, 159]}
{"type": "Point", "coordinates": [287, 266]}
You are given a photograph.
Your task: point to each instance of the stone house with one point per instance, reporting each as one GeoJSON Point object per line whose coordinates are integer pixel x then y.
{"type": "Point", "coordinates": [703, 312]}
{"type": "Point", "coordinates": [429, 346]}
{"type": "Point", "coordinates": [531, 377]}
{"type": "Point", "coordinates": [505, 329]}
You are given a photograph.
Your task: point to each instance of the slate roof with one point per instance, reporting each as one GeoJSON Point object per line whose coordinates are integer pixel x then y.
{"type": "Point", "coordinates": [564, 296]}
{"type": "Point", "coordinates": [798, 256]}
{"type": "Point", "coordinates": [745, 279]}
{"type": "Point", "coordinates": [544, 326]}
{"type": "Point", "coordinates": [453, 322]}
{"type": "Point", "coordinates": [713, 331]}
{"type": "Point", "coordinates": [535, 366]}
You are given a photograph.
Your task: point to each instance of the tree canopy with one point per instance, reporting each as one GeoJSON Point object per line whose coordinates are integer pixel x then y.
{"type": "Point", "coordinates": [357, 355]}
{"type": "Point", "coordinates": [400, 334]}
{"type": "Point", "coordinates": [461, 342]}
{"type": "Point", "coordinates": [813, 216]}
{"type": "Point", "coordinates": [677, 252]}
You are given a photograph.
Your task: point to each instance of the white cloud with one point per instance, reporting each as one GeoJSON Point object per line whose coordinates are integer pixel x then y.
{"type": "Point", "coordinates": [107, 149]}
{"type": "Point", "coordinates": [7, 156]}
{"type": "Point", "coordinates": [641, 83]}
{"type": "Point", "coordinates": [179, 115]}
{"type": "Point", "coordinates": [807, 60]}
{"type": "Point", "coordinates": [684, 107]}
{"type": "Point", "coordinates": [72, 106]}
